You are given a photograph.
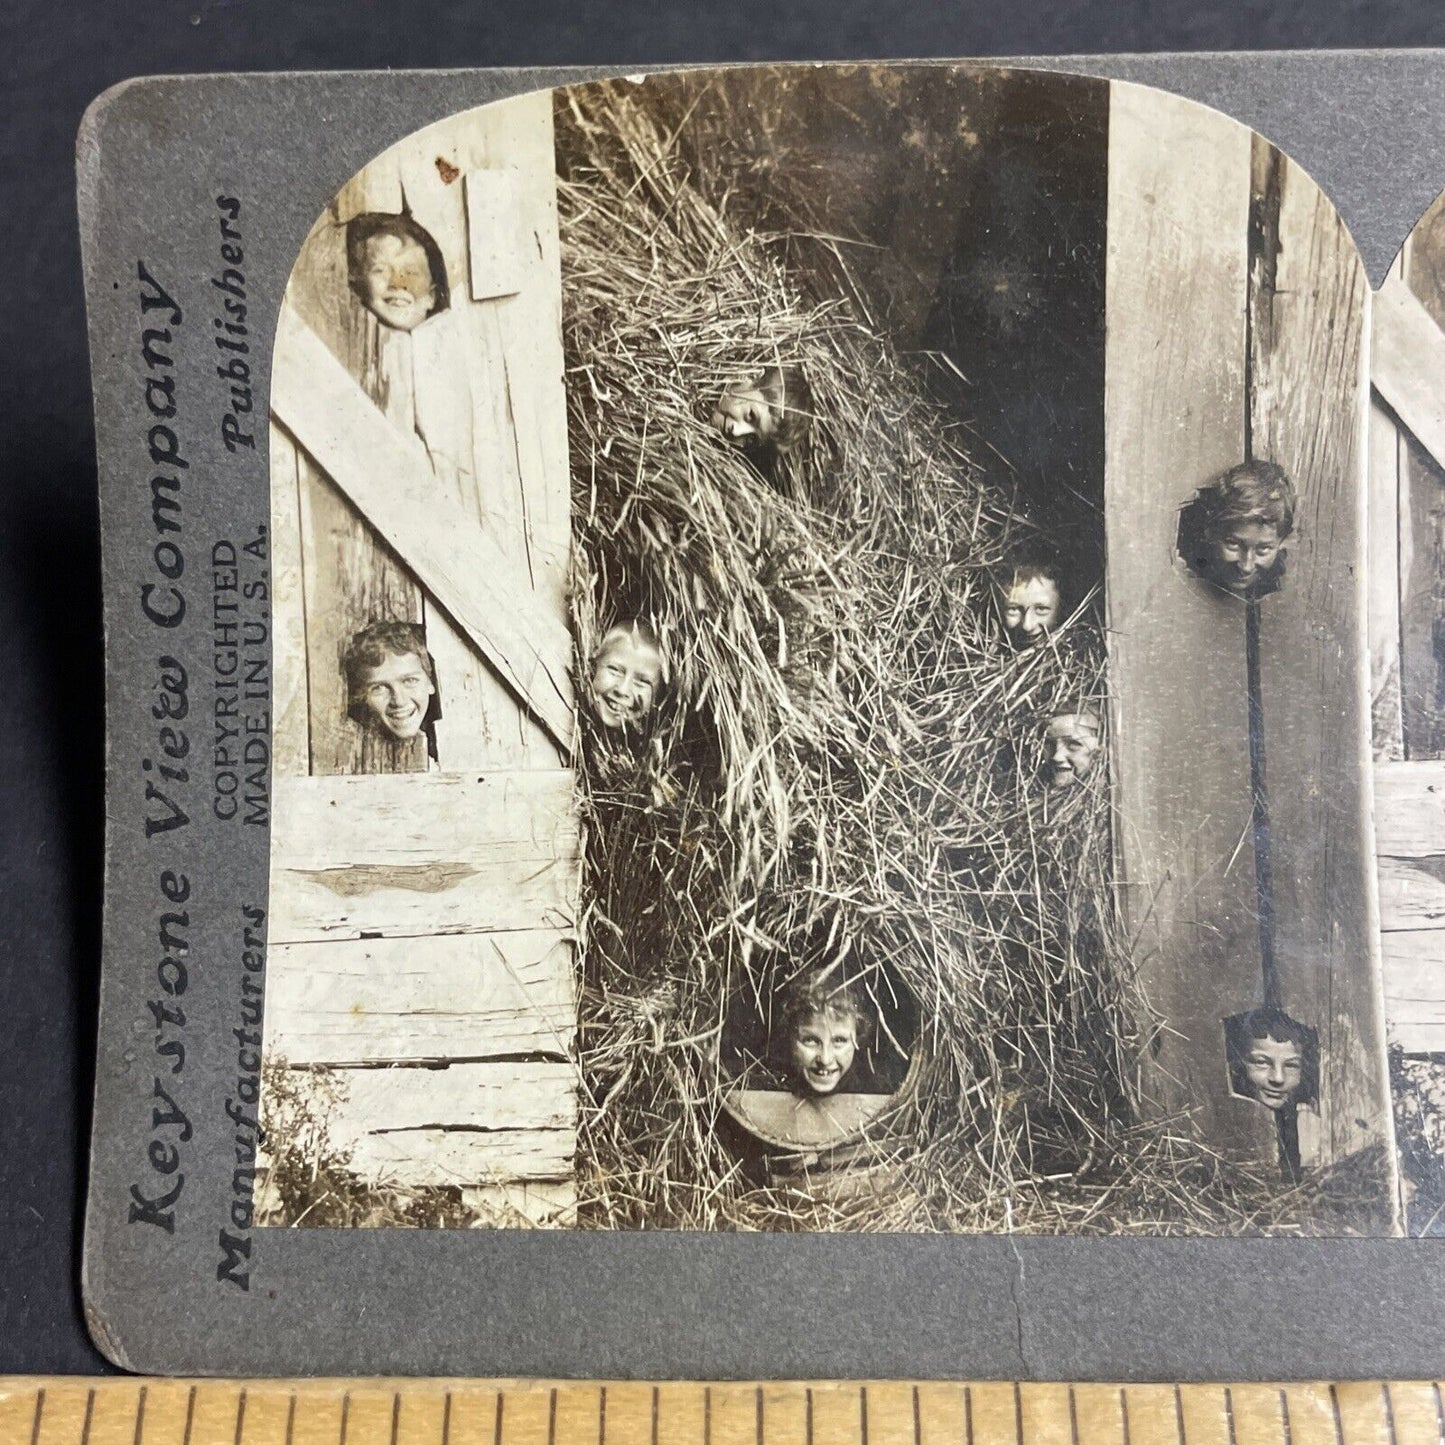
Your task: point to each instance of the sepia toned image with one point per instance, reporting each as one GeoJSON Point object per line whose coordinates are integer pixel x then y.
{"type": "Point", "coordinates": [1407, 677]}
{"type": "Point", "coordinates": [819, 672]}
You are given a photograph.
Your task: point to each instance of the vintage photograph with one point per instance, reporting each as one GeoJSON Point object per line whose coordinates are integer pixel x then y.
{"type": "Point", "coordinates": [820, 673]}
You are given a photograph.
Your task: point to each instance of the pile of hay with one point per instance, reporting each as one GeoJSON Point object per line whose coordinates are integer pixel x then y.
{"type": "Point", "coordinates": [845, 763]}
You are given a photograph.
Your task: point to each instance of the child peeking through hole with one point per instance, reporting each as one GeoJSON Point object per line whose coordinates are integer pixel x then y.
{"type": "Point", "coordinates": [771, 411]}
{"type": "Point", "coordinates": [1031, 595]}
{"type": "Point", "coordinates": [396, 269]}
{"type": "Point", "coordinates": [1071, 746]}
{"type": "Point", "coordinates": [1271, 1057]}
{"type": "Point", "coordinates": [823, 1021]}
{"type": "Point", "coordinates": [391, 680]}
{"type": "Point", "coordinates": [1232, 532]}
{"type": "Point", "coordinates": [627, 675]}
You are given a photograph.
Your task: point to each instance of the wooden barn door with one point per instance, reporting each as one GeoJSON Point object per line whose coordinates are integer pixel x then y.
{"type": "Point", "coordinates": [1407, 633]}
{"type": "Point", "coordinates": [1237, 315]}
{"type": "Point", "coordinates": [420, 977]}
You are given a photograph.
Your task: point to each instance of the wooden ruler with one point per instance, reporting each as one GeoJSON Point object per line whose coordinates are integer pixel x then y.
{"type": "Point", "coordinates": [77, 1411]}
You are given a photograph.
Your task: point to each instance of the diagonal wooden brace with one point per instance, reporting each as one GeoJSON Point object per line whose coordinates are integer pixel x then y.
{"type": "Point", "coordinates": [388, 478]}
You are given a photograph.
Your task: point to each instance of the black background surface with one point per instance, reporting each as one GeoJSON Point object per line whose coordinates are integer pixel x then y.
{"type": "Point", "coordinates": [55, 57]}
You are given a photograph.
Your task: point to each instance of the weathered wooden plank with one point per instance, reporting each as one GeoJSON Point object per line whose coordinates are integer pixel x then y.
{"type": "Point", "coordinates": [1414, 965]}
{"type": "Point", "coordinates": [389, 478]}
{"type": "Point", "coordinates": [432, 898]}
{"type": "Point", "coordinates": [1410, 809]}
{"type": "Point", "coordinates": [333, 822]}
{"type": "Point", "coordinates": [462, 996]}
{"type": "Point", "coordinates": [350, 578]}
{"type": "Point", "coordinates": [1382, 575]}
{"type": "Point", "coordinates": [1309, 411]}
{"type": "Point", "coordinates": [495, 231]}
{"type": "Point", "coordinates": [1408, 353]}
{"type": "Point", "coordinates": [1174, 411]}
{"type": "Point", "coordinates": [530, 325]}
{"type": "Point", "coordinates": [1422, 602]}
{"type": "Point", "coordinates": [1412, 893]}
{"type": "Point", "coordinates": [409, 856]}
{"type": "Point", "coordinates": [290, 724]}
{"type": "Point", "coordinates": [466, 1124]}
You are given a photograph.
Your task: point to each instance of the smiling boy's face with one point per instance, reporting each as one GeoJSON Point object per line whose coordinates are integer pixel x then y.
{"type": "Point", "coordinates": [1241, 553]}
{"type": "Point", "coordinates": [1029, 609]}
{"type": "Point", "coordinates": [625, 680]}
{"type": "Point", "coordinates": [1274, 1070]}
{"type": "Point", "coordinates": [743, 414]}
{"type": "Point", "coordinates": [822, 1050]}
{"type": "Point", "coordinates": [396, 694]}
{"type": "Point", "coordinates": [1071, 742]}
{"type": "Point", "coordinates": [396, 282]}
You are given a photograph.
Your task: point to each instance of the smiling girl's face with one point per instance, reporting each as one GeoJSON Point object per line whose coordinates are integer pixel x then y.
{"type": "Point", "coordinates": [822, 1049]}
{"type": "Point", "coordinates": [625, 678]}
{"type": "Point", "coordinates": [1241, 554]}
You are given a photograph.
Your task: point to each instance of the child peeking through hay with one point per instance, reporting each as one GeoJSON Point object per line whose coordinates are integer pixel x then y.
{"type": "Point", "coordinates": [770, 411]}
{"type": "Point", "coordinates": [1031, 594]}
{"type": "Point", "coordinates": [833, 717]}
{"type": "Point", "coordinates": [822, 1021]}
{"type": "Point", "coordinates": [627, 675]}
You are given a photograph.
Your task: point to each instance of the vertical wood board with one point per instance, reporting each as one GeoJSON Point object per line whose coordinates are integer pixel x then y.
{"type": "Point", "coordinates": [1383, 583]}
{"type": "Point", "coordinates": [1309, 411]}
{"type": "Point", "coordinates": [1175, 405]}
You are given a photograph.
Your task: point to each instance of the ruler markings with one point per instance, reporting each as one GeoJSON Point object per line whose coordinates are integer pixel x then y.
{"type": "Point", "coordinates": [60, 1412]}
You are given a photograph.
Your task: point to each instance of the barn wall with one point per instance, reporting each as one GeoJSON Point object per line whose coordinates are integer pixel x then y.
{"type": "Point", "coordinates": [421, 995]}
{"type": "Point", "coordinates": [1236, 314]}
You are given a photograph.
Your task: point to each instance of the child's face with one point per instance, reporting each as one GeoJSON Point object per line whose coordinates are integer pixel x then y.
{"type": "Point", "coordinates": [1274, 1071]}
{"type": "Point", "coordinates": [1071, 742]}
{"type": "Point", "coordinates": [625, 679]}
{"type": "Point", "coordinates": [396, 693]}
{"type": "Point", "coordinates": [743, 413]}
{"type": "Point", "coordinates": [1240, 553]}
{"type": "Point", "coordinates": [1030, 609]}
{"type": "Point", "coordinates": [822, 1050]}
{"type": "Point", "coordinates": [396, 281]}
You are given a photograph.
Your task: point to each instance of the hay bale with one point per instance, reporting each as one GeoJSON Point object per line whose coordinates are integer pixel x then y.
{"type": "Point", "coordinates": [844, 765]}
